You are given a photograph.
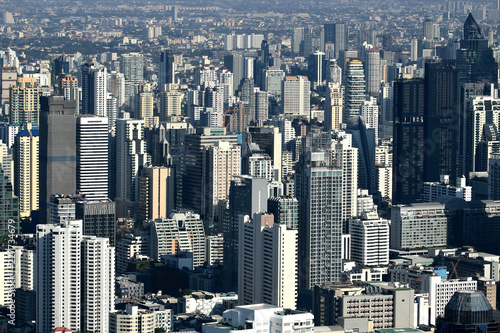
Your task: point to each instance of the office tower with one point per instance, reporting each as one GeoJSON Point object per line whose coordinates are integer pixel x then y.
{"type": "Point", "coordinates": [62, 208]}
{"type": "Point", "coordinates": [258, 140]}
{"type": "Point", "coordinates": [94, 89]}
{"type": "Point", "coordinates": [25, 101]}
{"type": "Point", "coordinates": [131, 156]}
{"type": "Point", "coordinates": [247, 94]}
{"type": "Point", "coordinates": [414, 50]}
{"type": "Point", "coordinates": [285, 128]}
{"type": "Point", "coordinates": [193, 174]}
{"type": "Point", "coordinates": [261, 106]}
{"type": "Point", "coordinates": [296, 94]}
{"type": "Point", "coordinates": [285, 211]}
{"type": "Point", "coordinates": [166, 69]}
{"type": "Point", "coordinates": [333, 72]}
{"type": "Point", "coordinates": [260, 166]}
{"type": "Point", "coordinates": [482, 115]}
{"type": "Point", "coordinates": [338, 34]}
{"type": "Point", "coordinates": [67, 86]}
{"type": "Point", "coordinates": [181, 232]}
{"type": "Point", "coordinates": [57, 150]}
{"type": "Point", "coordinates": [92, 157]}
{"type": "Point", "coordinates": [372, 72]}
{"type": "Point", "coordinates": [112, 108]}
{"type": "Point", "coordinates": [408, 151]}
{"type": "Point", "coordinates": [247, 196]}
{"type": "Point", "coordinates": [318, 188]}
{"type": "Point", "coordinates": [468, 310]}
{"type": "Point", "coordinates": [116, 86]}
{"type": "Point", "coordinates": [75, 278]}
{"type": "Point", "coordinates": [60, 66]}
{"type": "Point", "coordinates": [494, 177]}
{"type": "Point", "coordinates": [297, 39]}
{"type": "Point", "coordinates": [223, 166]}
{"type": "Point", "coordinates": [369, 240]}
{"type": "Point", "coordinates": [235, 63]}
{"type": "Point", "coordinates": [317, 68]}
{"type": "Point", "coordinates": [9, 207]}
{"type": "Point", "coordinates": [225, 78]}
{"type": "Point", "coordinates": [132, 67]}
{"type": "Point", "coordinates": [431, 30]}
{"type": "Point", "coordinates": [475, 60]}
{"type": "Point", "coordinates": [442, 122]}
{"type": "Point", "coordinates": [354, 88]}
{"type": "Point", "coordinates": [98, 283]}
{"type": "Point", "coordinates": [386, 102]}
{"type": "Point", "coordinates": [143, 104]}
{"type": "Point", "coordinates": [26, 168]}
{"type": "Point", "coordinates": [369, 114]}
{"type": "Point", "coordinates": [272, 82]}
{"type": "Point", "coordinates": [419, 225]}
{"type": "Point", "coordinates": [215, 250]}
{"type": "Point", "coordinates": [367, 35]}
{"type": "Point", "coordinates": [334, 105]}
{"type": "Point", "coordinates": [9, 79]}
{"type": "Point", "coordinates": [156, 192]}
{"type": "Point", "coordinates": [267, 262]}
{"type": "Point", "coordinates": [7, 161]}
{"type": "Point", "coordinates": [345, 156]}
{"type": "Point", "coordinates": [98, 217]}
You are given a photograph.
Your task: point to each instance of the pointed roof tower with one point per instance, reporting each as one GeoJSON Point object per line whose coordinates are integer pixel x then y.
{"type": "Point", "coordinates": [471, 29]}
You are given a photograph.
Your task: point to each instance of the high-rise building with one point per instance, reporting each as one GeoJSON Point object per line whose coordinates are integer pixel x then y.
{"type": "Point", "coordinates": [166, 70]}
{"type": "Point", "coordinates": [369, 114]}
{"type": "Point", "coordinates": [267, 262]}
{"type": "Point", "coordinates": [170, 103]}
{"type": "Point", "coordinates": [181, 232]}
{"type": "Point", "coordinates": [9, 79]}
{"type": "Point", "coordinates": [131, 156]}
{"type": "Point", "coordinates": [132, 67]}
{"type": "Point", "coordinates": [74, 291]}
{"type": "Point", "coordinates": [235, 63]}
{"type": "Point", "coordinates": [143, 104]}
{"type": "Point", "coordinates": [116, 86]}
{"type": "Point", "coordinates": [494, 177]}
{"type": "Point", "coordinates": [94, 89]}
{"type": "Point", "coordinates": [26, 169]}
{"type": "Point", "coordinates": [297, 39]}
{"type": "Point", "coordinates": [354, 88]}
{"type": "Point", "coordinates": [317, 69]}
{"type": "Point", "coordinates": [338, 34]}
{"type": "Point", "coordinates": [9, 207]}
{"type": "Point", "coordinates": [272, 82]}
{"type": "Point", "coordinates": [261, 106]}
{"type": "Point", "coordinates": [442, 122]}
{"type": "Point", "coordinates": [431, 30]}
{"type": "Point", "coordinates": [372, 72]}
{"type": "Point", "coordinates": [408, 150]}
{"type": "Point", "coordinates": [285, 210]}
{"type": "Point", "coordinates": [318, 188]}
{"type": "Point", "coordinates": [25, 101]}
{"type": "Point", "coordinates": [475, 60]}
{"type": "Point", "coordinates": [334, 106]}
{"type": "Point", "coordinates": [156, 192]}
{"type": "Point", "coordinates": [57, 150]}
{"type": "Point", "coordinates": [369, 240]}
{"type": "Point", "coordinates": [296, 94]}
{"type": "Point", "coordinates": [67, 86]}
{"type": "Point", "coordinates": [98, 218]}
{"type": "Point", "coordinates": [144, 321]}
{"type": "Point", "coordinates": [92, 156]}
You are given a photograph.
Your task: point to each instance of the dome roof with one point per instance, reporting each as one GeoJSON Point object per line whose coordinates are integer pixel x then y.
{"type": "Point", "coordinates": [467, 307]}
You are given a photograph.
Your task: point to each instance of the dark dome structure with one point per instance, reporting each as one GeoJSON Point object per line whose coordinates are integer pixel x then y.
{"type": "Point", "coordinates": [468, 308]}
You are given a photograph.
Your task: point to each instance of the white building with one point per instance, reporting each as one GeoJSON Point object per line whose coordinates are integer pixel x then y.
{"type": "Point", "coordinates": [369, 114]}
{"type": "Point", "coordinates": [354, 88]}
{"type": "Point", "coordinates": [198, 302]}
{"type": "Point", "coordinates": [182, 232]}
{"type": "Point", "coordinates": [92, 156]}
{"type": "Point", "coordinates": [384, 181]}
{"type": "Point", "coordinates": [142, 321]}
{"type": "Point", "coordinates": [334, 106]}
{"type": "Point", "coordinates": [296, 95]}
{"type": "Point", "coordinates": [215, 250]}
{"type": "Point", "coordinates": [68, 279]}
{"type": "Point", "coordinates": [17, 270]}
{"type": "Point", "coordinates": [261, 166]}
{"type": "Point", "coordinates": [370, 240]}
{"type": "Point", "coordinates": [170, 103]}
{"type": "Point", "coordinates": [262, 318]}
{"type": "Point", "coordinates": [433, 190]}
{"type": "Point", "coordinates": [129, 247]}
{"type": "Point", "coordinates": [267, 262]}
{"type": "Point", "coordinates": [364, 202]}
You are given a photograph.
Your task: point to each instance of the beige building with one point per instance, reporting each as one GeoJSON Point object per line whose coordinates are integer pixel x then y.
{"type": "Point", "coordinates": [144, 104]}
{"type": "Point", "coordinates": [26, 174]}
{"type": "Point", "coordinates": [156, 192]}
{"type": "Point", "coordinates": [132, 320]}
{"type": "Point", "coordinates": [334, 106]}
{"type": "Point", "coordinates": [170, 102]}
{"type": "Point", "coordinates": [25, 101]}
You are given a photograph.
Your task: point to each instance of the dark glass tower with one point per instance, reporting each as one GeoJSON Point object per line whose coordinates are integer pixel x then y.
{"type": "Point", "coordinates": [166, 71]}
{"type": "Point", "coordinates": [475, 60]}
{"type": "Point", "coordinates": [9, 206]}
{"type": "Point", "coordinates": [409, 140]}
{"type": "Point", "coordinates": [442, 122]}
{"type": "Point", "coordinates": [338, 34]}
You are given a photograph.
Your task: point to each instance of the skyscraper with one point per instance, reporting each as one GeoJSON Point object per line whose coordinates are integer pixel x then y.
{"type": "Point", "coordinates": [442, 122]}
{"type": "Point", "coordinates": [475, 60]}
{"type": "Point", "coordinates": [235, 63]}
{"type": "Point", "coordinates": [26, 169]}
{"type": "Point", "coordinates": [143, 104]}
{"type": "Point", "coordinates": [9, 206]}
{"type": "Point", "coordinates": [92, 156]}
{"type": "Point", "coordinates": [296, 94]}
{"type": "Point", "coordinates": [132, 67]}
{"type": "Point", "coordinates": [57, 150]}
{"type": "Point", "coordinates": [156, 192]}
{"type": "Point", "coordinates": [67, 86]}
{"type": "Point", "coordinates": [267, 262]}
{"type": "Point", "coordinates": [297, 39]}
{"type": "Point", "coordinates": [25, 101]}
{"type": "Point", "coordinates": [354, 88]}
{"type": "Point", "coordinates": [318, 188]}
{"type": "Point", "coordinates": [94, 89]}
{"type": "Point", "coordinates": [369, 114]}
{"type": "Point", "coordinates": [166, 70]}
{"type": "Point", "coordinates": [408, 151]}
{"type": "Point", "coordinates": [131, 156]}
{"type": "Point", "coordinates": [98, 218]}
{"type": "Point", "coordinates": [369, 240]}
{"type": "Point", "coordinates": [74, 291]}
{"type": "Point", "coordinates": [431, 30]}
{"type": "Point", "coordinates": [317, 69]}
{"type": "Point", "coordinates": [338, 34]}
{"type": "Point", "coordinates": [372, 72]}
